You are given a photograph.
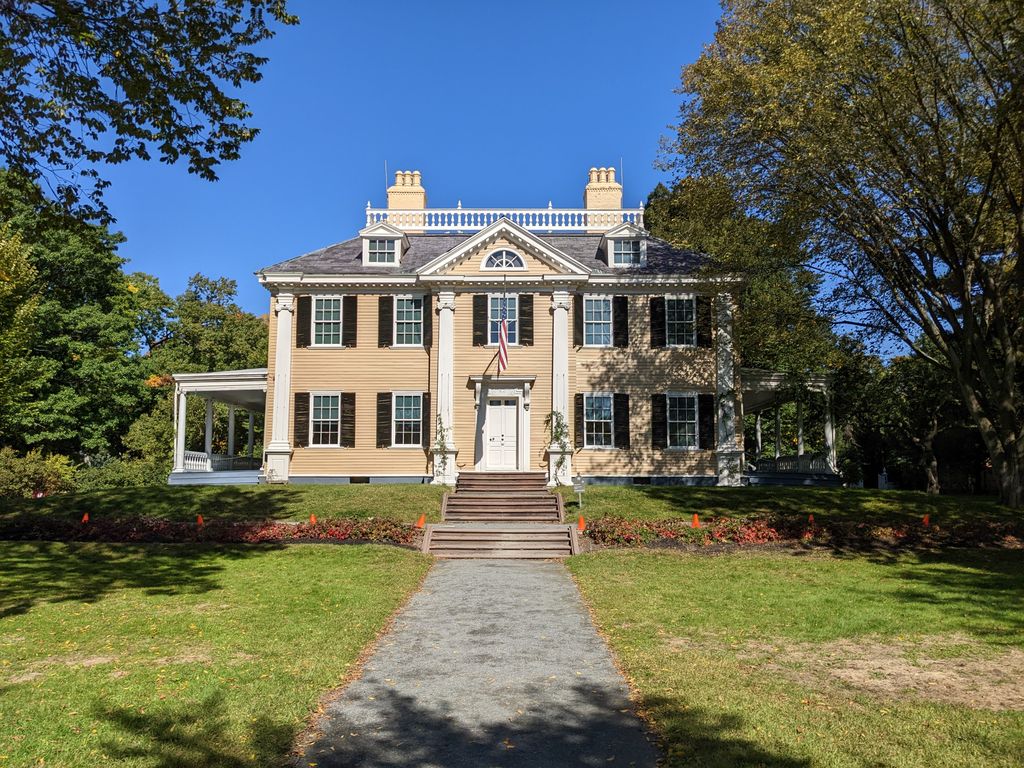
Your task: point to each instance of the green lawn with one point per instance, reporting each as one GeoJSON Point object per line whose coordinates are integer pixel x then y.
{"type": "Point", "coordinates": [243, 502]}
{"type": "Point", "coordinates": [654, 502]}
{"type": "Point", "coordinates": [793, 660]}
{"type": "Point", "coordinates": [167, 655]}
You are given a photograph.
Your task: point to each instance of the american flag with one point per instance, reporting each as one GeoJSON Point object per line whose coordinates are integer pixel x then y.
{"type": "Point", "coordinates": [503, 338]}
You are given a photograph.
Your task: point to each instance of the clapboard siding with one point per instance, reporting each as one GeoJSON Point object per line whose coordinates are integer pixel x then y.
{"type": "Point", "coordinates": [472, 264]}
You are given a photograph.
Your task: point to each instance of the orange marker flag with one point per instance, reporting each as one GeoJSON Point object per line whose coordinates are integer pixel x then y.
{"type": "Point", "coordinates": [312, 519]}
{"type": "Point", "coordinates": [582, 524]}
{"type": "Point", "coordinates": [199, 520]}
{"type": "Point", "coordinates": [696, 521]}
{"type": "Point", "coordinates": [85, 518]}
{"type": "Point", "coordinates": [422, 521]}
{"type": "Point", "coordinates": [927, 520]}
{"type": "Point", "coordinates": [810, 519]}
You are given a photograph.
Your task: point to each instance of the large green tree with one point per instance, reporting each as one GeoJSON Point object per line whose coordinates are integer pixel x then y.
{"type": "Point", "coordinates": [88, 82]}
{"type": "Point", "coordinates": [896, 129]}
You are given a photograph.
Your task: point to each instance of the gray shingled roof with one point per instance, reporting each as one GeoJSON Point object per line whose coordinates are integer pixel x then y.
{"type": "Point", "coordinates": [344, 258]}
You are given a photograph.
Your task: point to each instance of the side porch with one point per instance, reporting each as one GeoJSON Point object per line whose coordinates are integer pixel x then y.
{"type": "Point", "coordinates": [242, 391]}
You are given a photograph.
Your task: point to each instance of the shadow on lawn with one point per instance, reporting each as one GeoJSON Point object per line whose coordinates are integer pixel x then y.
{"type": "Point", "coordinates": [404, 732]}
{"type": "Point", "coordinates": [33, 572]}
{"type": "Point", "coordinates": [196, 735]}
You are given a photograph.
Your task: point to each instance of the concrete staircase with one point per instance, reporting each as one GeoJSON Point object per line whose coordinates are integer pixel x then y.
{"type": "Point", "coordinates": [501, 515]}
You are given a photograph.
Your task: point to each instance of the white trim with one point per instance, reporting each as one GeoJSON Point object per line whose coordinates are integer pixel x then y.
{"type": "Point", "coordinates": [684, 297]}
{"type": "Point", "coordinates": [611, 319]}
{"type": "Point", "coordinates": [394, 319]}
{"type": "Point", "coordinates": [487, 257]}
{"type": "Point", "coordinates": [586, 445]}
{"type": "Point", "coordinates": [501, 296]}
{"type": "Point", "coordinates": [313, 321]}
{"type": "Point", "coordinates": [406, 393]}
{"type": "Point", "coordinates": [324, 393]}
{"type": "Point", "coordinates": [517, 389]}
{"type": "Point", "coordinates": [696, 422]}
{"type": "Point", "coordinates": [610, 251]}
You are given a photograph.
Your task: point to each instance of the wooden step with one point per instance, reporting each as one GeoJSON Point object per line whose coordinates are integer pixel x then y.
{"type": "Point", "coordinates": [505, 541]}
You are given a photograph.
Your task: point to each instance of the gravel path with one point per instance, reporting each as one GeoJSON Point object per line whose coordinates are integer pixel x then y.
{"type": "Point", "coordinates": [492, 663]}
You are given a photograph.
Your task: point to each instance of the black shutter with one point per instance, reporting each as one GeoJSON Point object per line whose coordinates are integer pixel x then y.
{"type": "Point", "coordinates": [578, 417]}
{"type": "Point", "coordinates": [425, 420]}
{"type": "Point", "coordinates": [383, 419]}
{"type": "Point", "coordinates": [706, 421]}
{"type": "Point", "coordinates": [480, 320]}
{"type": "Point", "coordinates": [658, 338]}
{"type": "Point", "coordinates": [577, 321]}
{"type": "Point", "coordinates": [349, 326]}
{"type": "Point", "coordinates": [620, 321]}
{"type": "Point", "coordinates": [428, 321]}
{"type": "Point", "coordinates": [385, 321]}
{"type": "Point", "coordinates": [526, 319]}
{"type": "Point", "coordinates": [621, 408]}
{"type": "Point", "coordinates": [303, 321]}
{"type": "Point", "coordinates": [301, 419]}
{"type": "Point", "coordinates": [703, 321]}
{"type": "Point", "coordinates": [348, 420]}
{"type": "Point", "coordinates": [659, 421]}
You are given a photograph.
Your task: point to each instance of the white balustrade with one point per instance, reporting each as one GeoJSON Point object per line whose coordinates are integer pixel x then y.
{"type": "Point", "coordinates": [470, 219]}
{"type": "Point", "coordinates": [197, 461]}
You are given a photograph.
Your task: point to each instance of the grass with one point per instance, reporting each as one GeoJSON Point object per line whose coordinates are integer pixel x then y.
{"type": "Point", "coordinates": [737, 658]}
{"type": "Point", "coordinates": [165, 655]}
{"type": "Point", "coordinates": [404, 502]}
{"type": "Point", "coordinates": [653, 502]}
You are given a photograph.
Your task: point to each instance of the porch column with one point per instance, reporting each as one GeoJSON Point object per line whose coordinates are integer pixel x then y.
{"type": "Point", "coordinates": [208, 441]}
{"type": "Point", "coordinates": [778, 432]}
{"type": "Point", "coordinates": [560, 451]}
{"type": "Point", "coordinates": [799, 428]}
{"type": "Point", "coordinates": [279, 450]}
{"type": "Point", "coordinates": [757, 433]}
{"type": "Point", "coordinates": [179, 428]}
{"type": "Point", "coordinates": [231, 430]}
{"type": "Point", "coordinates": [728, 455]}
{"type": "Point", "coordinates": [830, 435]}
{"type": "Point", "coordinates": [445, 469]}
{"type": "Point", "coordinates": [252, 423]}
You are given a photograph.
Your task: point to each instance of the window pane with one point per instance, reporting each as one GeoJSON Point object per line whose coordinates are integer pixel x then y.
{"type": "Point", "coordinates": [504, 260]}
{"type": "Point", "coordinates": [409, 321]}
{"type": "Point", "coordinates": [327, 321]}
{"type": "Point", "coordinates": [325, 420]}
{"type": "Point", "coordinates": [381, 251]}
{"type": "Point", "coordinates": [680, 322]}
{"type": "Point", "coordinates": [511, 304]}
{"type": "Point", "coordinates": [407, 419]}
{"type": "Point", "coordinates": [682, 421]}
{"type": "Point", "coordinates": [597, 321]}
{"type": "Point", "coordinates": [627, 252]}
{"type": "Point", "coordinates": [597, 417]}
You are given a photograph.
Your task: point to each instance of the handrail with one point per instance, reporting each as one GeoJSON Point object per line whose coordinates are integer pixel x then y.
{"type": "Point", "coordinates": [472, 219]}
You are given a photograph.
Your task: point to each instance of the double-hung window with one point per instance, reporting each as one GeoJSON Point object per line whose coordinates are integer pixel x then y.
{"type": "Point", "coordinates": [381, 251]}
{"type": "Point", "coordinates": [511, 306]}
{"type": "Point", "coordinates": [598, 421]}
{"type": "Point", "coordinates": [408, 321]}
{"type": "Point", "coordinates": [597, 321]}
{"type": "Point", "coordinates": [681, 321]}
{"type": "Point", "coordinates": [406, 420]}
{"type": "Point", "coordinates": [626, 253]}
{"type": "Point", "coordinates": [325, 419]}
{"type": "Point", "coordinates": [327, 321]}
{"type": "Point", "coordinates": [682, 421]}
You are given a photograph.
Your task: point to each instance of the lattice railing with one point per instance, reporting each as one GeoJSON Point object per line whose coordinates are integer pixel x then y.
{"type": "Point", "coordinates": [471, 219]}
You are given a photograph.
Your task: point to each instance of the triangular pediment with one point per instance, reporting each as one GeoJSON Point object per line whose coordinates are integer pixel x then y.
{"type": "Point", "coordinates": [538, 255]}
{"type": "Point", "coordinates": [623, 230]}
{"type": "Point", "coordinates": [382, 229]}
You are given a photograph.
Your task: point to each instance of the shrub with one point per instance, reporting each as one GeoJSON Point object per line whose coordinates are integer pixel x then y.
{"type": "Point", "coordinates": [34, 474]}
{"type": "Point", "coordinates": [121, 473]}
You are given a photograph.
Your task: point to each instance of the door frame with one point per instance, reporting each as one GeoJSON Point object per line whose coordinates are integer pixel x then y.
{"type": "Point", "coordinates": [518, 423]}
{"type": "Point", "coordinates": [503, 390]}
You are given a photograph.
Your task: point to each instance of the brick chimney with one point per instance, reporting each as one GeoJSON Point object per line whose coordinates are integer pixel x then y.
{"type": "Point", "coordinates": [407, 194]}
{"type": "Point", "coordinates": [602, 191]}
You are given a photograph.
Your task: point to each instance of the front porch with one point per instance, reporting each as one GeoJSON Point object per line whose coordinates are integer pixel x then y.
{"type": "Point", "coordinates": [765, 394]}
{"type": "Point", "coordinates": [243, 390]}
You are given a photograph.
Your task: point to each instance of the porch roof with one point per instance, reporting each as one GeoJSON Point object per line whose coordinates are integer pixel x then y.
{"type": "Point", "coordinates": [761, 388]}
{"type": "Point", "coordinates": [246, 388]}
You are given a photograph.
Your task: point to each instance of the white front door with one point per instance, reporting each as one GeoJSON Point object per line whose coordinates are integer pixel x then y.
{"type": "Point", "coordinates": [502, 449]}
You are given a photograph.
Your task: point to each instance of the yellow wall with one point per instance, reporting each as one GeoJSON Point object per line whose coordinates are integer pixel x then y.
{"type": "Point", "coordinates": [472, 263]}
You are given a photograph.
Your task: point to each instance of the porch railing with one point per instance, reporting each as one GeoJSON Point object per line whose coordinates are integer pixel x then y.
{"type": "Point", "coordinates": [472, 219]}
{"type": "Point", "coordinates": [808, 464]}
{"type": "Point", "coordinates": [197, 461]}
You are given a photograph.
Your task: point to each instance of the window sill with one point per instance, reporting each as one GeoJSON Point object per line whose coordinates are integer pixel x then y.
{"type": "Point", "coordinates": [406, 346]}
{"type": "Point", "coordinates": [326, 346]}
{"type": "Point", "coordinates": [600, 448]}
{"type": "Point", "coordinates": [681, 449]}
{"type": "Point", "coordinates": [407, 447]}
{"type": "Point", "coordinates": [327, 446]}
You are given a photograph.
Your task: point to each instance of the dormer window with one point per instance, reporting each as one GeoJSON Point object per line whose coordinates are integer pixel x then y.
{"type": "Point", "coordinates": [382, 251]}
{"type": "Point", "coordinates": [627, 253]}
{"type": "Point", "coordinates": [504, 259]}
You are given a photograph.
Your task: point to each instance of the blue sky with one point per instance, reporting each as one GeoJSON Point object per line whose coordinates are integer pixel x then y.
{"type": "Point", "coordinates": [496, 104]}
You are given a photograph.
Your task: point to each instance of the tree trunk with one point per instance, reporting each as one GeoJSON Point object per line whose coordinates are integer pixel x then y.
{"type": "Point", "coordinates": [1001, 441]}
{"type": "Point", "coordinates": [931, 463]}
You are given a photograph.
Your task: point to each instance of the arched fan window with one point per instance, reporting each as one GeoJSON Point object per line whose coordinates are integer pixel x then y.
{"type": "Point", "coordinates": [504, 260]}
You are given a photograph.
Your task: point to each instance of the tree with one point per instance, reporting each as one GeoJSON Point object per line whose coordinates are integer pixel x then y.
{"type": "Point", "coordinates": [88, 82]}
{"type": "Point", "coordinates": [894, 127]}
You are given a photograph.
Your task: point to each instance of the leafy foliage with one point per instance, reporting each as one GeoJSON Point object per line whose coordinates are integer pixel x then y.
{"type": "Point", "coordinates": [34, 474]}
{"type": "Point", "coordinates": [88, 82]}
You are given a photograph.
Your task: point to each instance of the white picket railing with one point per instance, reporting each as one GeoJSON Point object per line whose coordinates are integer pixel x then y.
{"type": "Point", "coordinates": [470, 219]}
{"type": "Point", "coordinates": [806, 464]}
{"type": "Point", "coordinates": [197, 461]}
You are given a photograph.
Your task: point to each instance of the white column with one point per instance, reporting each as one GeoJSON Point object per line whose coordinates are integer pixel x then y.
{"type": "Point", "coordinates": [252, 424]}
{"type": "Point", "coordinates": [778, 432]}
{"type": "Point", "coordinates": [208, 440]}
{"type": "Point", "coordinates": [830, 435]}
{"type": "Point", "coordinates": [279, 450]}
{"type": "Point", "coordinates": [728, 455]}
{"type": "Point", "coordinates": [758, 442]}
{"type": "Point", "coordinates": [800, 428]}
{"type": "Point", "coordinates": [231, 430]}
{"type": "Point", "coordinates": [560, 455]}
{"type": "Point", "coordinates": [445, 469]}
{"type": "Point", "coordinates": [180, 427]}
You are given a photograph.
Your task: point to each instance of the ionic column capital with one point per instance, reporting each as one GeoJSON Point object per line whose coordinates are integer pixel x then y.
{"type": "Point", "coordinates": [285, 302]}
{"type": "Point", "coordinates": [446, 300]}
{"type": "Point", "coordinates": [561, 300]}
